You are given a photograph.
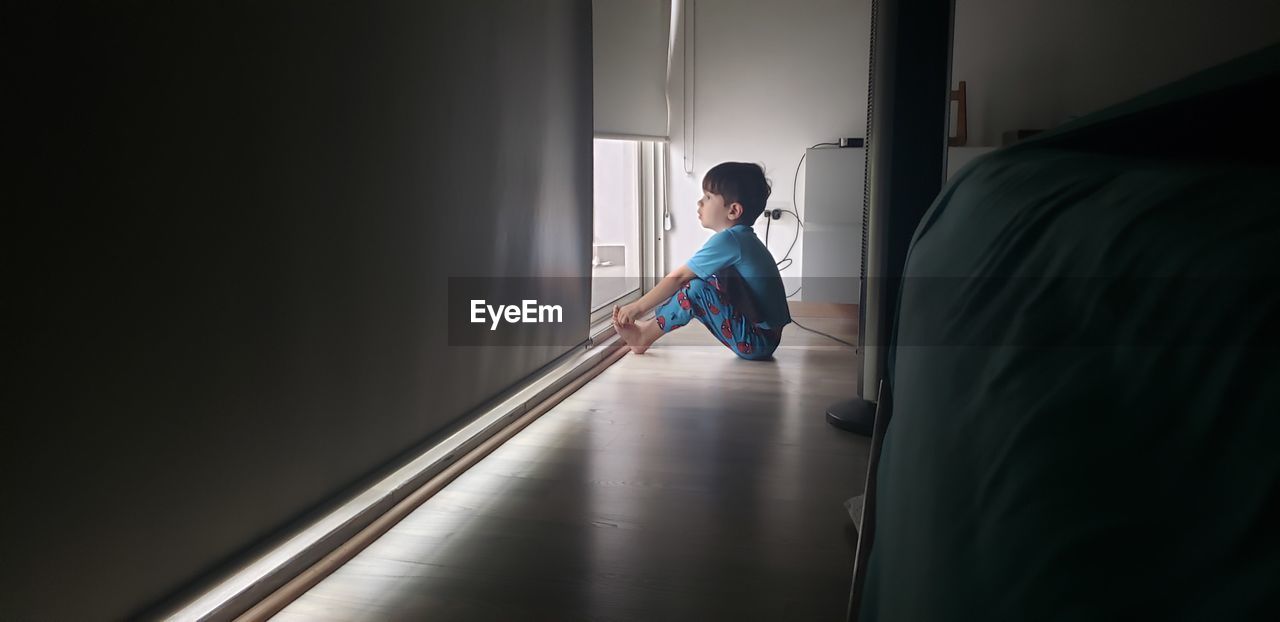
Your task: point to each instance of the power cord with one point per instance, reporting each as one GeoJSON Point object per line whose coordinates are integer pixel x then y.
{"type": "Point", "coordinates": [818, 332]}
{"type": "Point", "coordinates": [795, 238]}
{"type": "Point", "coordinates": [795, 180]}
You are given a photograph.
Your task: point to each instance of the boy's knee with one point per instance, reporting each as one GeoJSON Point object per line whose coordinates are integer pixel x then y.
{"type": "Point", "coordinates": [698, 287]}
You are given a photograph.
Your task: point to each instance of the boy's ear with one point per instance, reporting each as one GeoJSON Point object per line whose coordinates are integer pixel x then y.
{"type": "Point", "coordinates": [735, 210]}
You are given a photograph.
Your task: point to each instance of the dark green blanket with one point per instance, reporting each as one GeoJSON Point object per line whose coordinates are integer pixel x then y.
{"type": "Point", "coordinates": [1086, 387]}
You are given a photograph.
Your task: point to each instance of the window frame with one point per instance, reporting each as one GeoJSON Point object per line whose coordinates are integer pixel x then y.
{"type": "Point", "coordinates": [652, 188]}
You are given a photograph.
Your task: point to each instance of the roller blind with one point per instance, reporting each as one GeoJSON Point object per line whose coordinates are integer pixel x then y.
{"type": "Point", "coordinates": [629, 53]}
{"type": "Point", "coordinates": [265, 321]}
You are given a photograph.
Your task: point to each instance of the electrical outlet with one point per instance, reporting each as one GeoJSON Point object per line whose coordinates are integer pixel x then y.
{"type": "Point", "coordinates": [773, 210]}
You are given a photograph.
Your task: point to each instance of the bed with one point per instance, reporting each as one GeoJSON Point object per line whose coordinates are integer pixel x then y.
{"type": "Point", "coordinates": [1085, 388]}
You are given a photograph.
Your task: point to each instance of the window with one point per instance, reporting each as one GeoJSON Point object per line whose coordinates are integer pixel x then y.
{"type": "Point", "coordinates": [629, 200]}
{"type": "Point", "coordinates": [615, 240]}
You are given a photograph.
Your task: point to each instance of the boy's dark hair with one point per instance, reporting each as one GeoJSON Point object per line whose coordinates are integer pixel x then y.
{"type": "Point", "coordinates": [740, 182]}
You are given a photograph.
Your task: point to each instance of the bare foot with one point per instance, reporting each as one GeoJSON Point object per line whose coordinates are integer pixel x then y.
{"type": "Point", "coordinates": [631, 334]}
{"type": "Point", "coordinates": [640, 335]}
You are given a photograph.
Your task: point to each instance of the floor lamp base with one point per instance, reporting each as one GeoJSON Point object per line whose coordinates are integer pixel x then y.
{"type": "Point", "coordinates": [855, 415]}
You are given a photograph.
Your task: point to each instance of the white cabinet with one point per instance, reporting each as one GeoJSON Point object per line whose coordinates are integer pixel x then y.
{"type": "Point", "coordinates": [832, 255]}
{"type": "Point", "coordinates": [833, 186]}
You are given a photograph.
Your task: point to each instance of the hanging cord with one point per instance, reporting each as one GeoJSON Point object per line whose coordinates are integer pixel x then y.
{"type": "Point", "coordinates": [676, 8]}
{"type": "Point", "coordinates": [677, 13]}
{"type": "Point", "coordinates": [689, 11]}
{"type": "Point", "coordinates": [768, 219]}
{"type": "Point", "coordinates": [818, 332]}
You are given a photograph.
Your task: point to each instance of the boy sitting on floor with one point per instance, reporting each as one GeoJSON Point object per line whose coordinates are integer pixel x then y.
{"type": "Point", "coordinates": [731, 284]}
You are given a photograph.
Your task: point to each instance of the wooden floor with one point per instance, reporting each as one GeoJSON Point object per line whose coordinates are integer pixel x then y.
{"type": "Point", "coordinates": [683, 484]}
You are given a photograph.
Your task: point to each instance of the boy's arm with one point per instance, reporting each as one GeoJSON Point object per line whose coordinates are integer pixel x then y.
{"type": "Point", "coordinates": [665, 289]}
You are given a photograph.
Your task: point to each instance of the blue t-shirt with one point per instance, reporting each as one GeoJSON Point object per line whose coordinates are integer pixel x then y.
{"type": "Point", "coordinates": [739, 248]}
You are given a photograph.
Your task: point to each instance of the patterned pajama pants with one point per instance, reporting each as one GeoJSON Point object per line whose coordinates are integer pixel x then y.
{"type": "Point", "coordinates": [723, 304]}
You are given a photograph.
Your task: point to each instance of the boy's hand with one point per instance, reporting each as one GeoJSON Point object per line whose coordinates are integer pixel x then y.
{"type": "Point", "coordinates": [625, 315]}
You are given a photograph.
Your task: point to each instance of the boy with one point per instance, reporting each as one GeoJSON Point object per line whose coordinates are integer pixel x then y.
{"type": "Point", "coordinates": [731, 284]}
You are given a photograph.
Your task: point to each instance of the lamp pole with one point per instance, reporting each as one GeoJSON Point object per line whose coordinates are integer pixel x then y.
{"type": "Point", "coordinates": [908, 106]}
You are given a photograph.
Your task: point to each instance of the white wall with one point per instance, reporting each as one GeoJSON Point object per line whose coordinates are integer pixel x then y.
{"type": "Point", "coordinates": [772, 78]}
{"type": "Point", "coordinates": [1035, 64]}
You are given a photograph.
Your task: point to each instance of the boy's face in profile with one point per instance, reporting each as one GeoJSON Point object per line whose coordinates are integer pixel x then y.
{"type": "Point", "coordinates": [714, 214]}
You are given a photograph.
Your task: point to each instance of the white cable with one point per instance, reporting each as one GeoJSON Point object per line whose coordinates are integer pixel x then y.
{"type": "Point", "coordinates": [690, 66]}
{"type": "Point", "coordinates": [676, 7]}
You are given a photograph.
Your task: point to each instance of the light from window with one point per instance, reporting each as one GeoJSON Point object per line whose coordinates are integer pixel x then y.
{"type": "Point", "coordinates": [615, 247]}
